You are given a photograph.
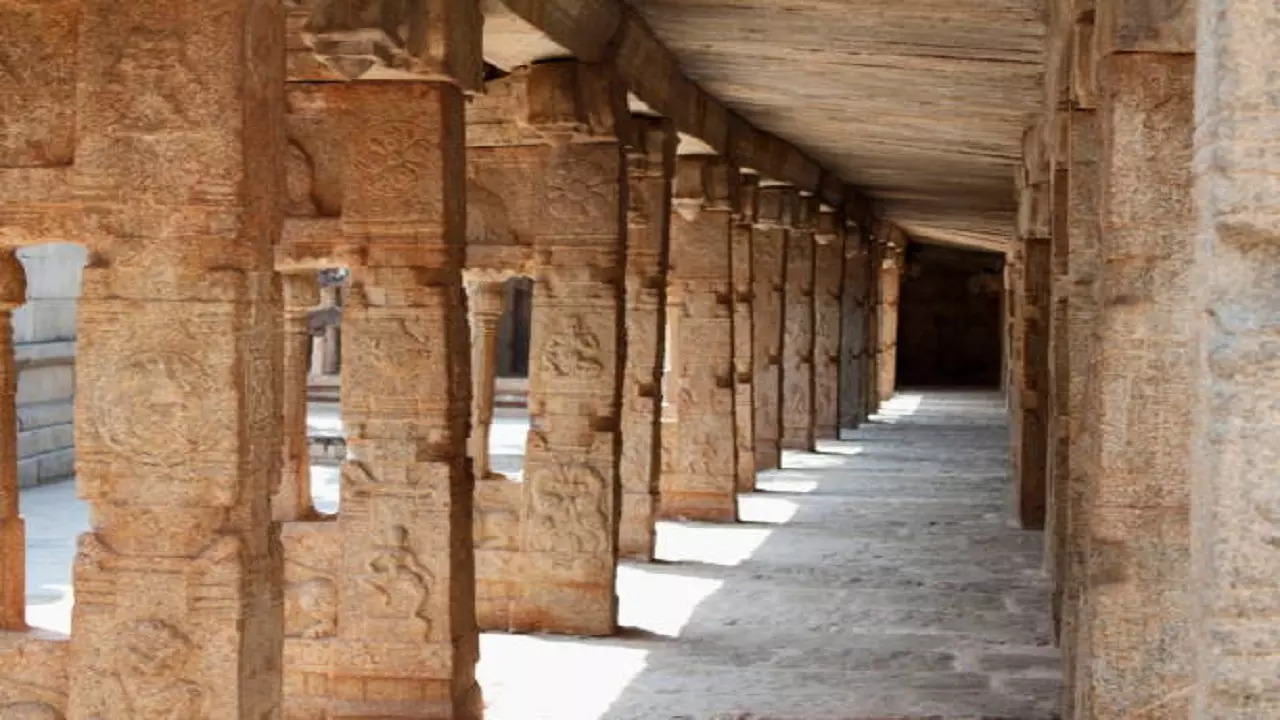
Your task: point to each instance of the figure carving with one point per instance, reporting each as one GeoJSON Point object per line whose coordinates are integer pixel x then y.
{"type": "Point", "coordinates": [399, 582]}
{"type": "Point", "coordinates": [311, 608]}
{"type": "Point", "coordinates": [147, 420]}
{"type": "Point", "coordinates": [575, 352]}
{"type": "Point", "coordinates": [156, 65]}
{"type": "Point", "coordinates": [568, 511]}
{"type": "Point", "coordinates": [151, 666]}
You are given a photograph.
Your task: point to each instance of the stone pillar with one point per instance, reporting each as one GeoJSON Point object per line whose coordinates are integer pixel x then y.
{"type": "Point", "coordinates": [293, 500]}
{"type": "Point", "coordinates": [773, 213]}
{"type": "Point", "coordinates": [741, 254]}
{"type": "Point", "coordinates": [874, 350]}
{"type": "Point", "coordinates": [828, 279]}
{"type": "Point", "coordinates": [13, 538]}
{"type": "Point", "coordinates": [890, 271]}
{"type": "Point", "coordinates": [1138, 654]}
{"type": "Point", "coordinates": [179, 159]}
{"type": "Point", "coordinates": [485, 302]}
{"type": "Point", "coordinates": [1030, 394]}
{"type": "Point", "coordinates": [381, 611]}
{"type": "Point", "coordinates": [797, 330]}
{"type": "Point", "coordinates": [853, 328]}
{"type": "Point", "coordinates": [1236, 451]}
{"type": "Point", "coordinates": [650, 165]}
{"type": "Point", "coordinates": [700, 470]}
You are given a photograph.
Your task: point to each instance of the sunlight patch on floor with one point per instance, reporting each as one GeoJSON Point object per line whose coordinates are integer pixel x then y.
{"type": "Point", "coordinates": [526, 677]}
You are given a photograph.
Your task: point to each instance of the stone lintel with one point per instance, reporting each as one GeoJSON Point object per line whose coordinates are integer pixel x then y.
{"type": "Point", "coordinates": [552, 103]}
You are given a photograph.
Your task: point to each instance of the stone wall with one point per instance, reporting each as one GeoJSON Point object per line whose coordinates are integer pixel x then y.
{"type": "Point", "coordinates": [950, 318]}
{"type": "Point", "coordinates": [44, 338]}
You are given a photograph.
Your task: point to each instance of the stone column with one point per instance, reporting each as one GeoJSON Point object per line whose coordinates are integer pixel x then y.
{"type": "Point", "coordinates": [828, 280]}
{"type": "Point", "coordinates": [1030, 393]}
{"type": "Point", "coordinates": [650, 165]}
{"type": "Point", "coordinates": [179, 160]}
{"type": "Point", "coordinates": [773, 213]}
{"type": "Point", "coordinates": [853, 328]}
{"type": "Point", "coordinates": [484, 303]}
{"type": "Point", "coordinates": [874, 351]}
{"type": "Point", "coordinates": [699, 476]}
{"type": "Point", "coordinates": [890, 272]}
{"type": "Point", "coordinates": [1236, 451]}
{"type": "Point", "coordinates": [741, 254]}
{"type": "Point", "coordinates": [13, 538]}
{"type": "Point", "coordinates": [797, 330]}
{"type": "Point", "coordinates": [293, 500]}
{"type": "Point", "coordinates": [381, 617]}
{"type": "Point", "coordinates": [1137, 511]}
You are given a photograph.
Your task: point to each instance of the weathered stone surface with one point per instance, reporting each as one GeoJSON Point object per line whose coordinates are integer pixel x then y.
{"type": "Point", "coordinates": [828, 277]}
{"type": "Point", "coordinates": [798, 329]}
{"type": "Point", "coordinates": [741, 254]}
{"type": "Point", "coordinates": [650, 166]}
{"type": "Point", "coordinates": [699, 469]}
{"type": "Point", "coordinates": [292, 501]}
{"type": "Point", "coordinates": [854, 310]}
{"type": "Point", "coordinates": [773, 217]}
{"type": "Point", "coordinates": [13, 538]}
{"type": "Point", "coordinates": [1236, 428]}
{"type": "Point", "coordinates": [889, 284]}
{"type": "Point", "coordinates": [484, 305]}
{"type": "Point", "coordinates": [1137, 650]}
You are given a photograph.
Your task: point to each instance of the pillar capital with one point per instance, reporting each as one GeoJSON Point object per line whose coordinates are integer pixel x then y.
{"type": "Point", "coordinates": [748, 189]}
{"type": "Point", "coordinates": [390, 40]}
{"type": "Point", "coordinates": [651, 146]}
{"type": "Point", "coordinates": [775, 205]}
{"type": "Point", "coordinates": [804, 215]}
{"type": "Point", "coordinates": [556, 103]}
{"type": "Point", "coordinates": [828, 226]}
{"type": "Point", "coordinates": [704, 182]}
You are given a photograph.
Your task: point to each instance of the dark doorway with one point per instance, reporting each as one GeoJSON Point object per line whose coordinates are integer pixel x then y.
{"type": "Point", "coordinates": [949, 332]}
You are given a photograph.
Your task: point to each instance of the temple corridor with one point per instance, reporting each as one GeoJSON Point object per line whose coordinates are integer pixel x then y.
{"type": "Point", "coordinates": [880, 576]}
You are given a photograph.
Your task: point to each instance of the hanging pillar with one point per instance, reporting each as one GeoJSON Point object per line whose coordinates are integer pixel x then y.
{"type": "Point", "coordinates": [743, 332]}
{"type": "Point", "coordinates": [380, 617]}
{"type": "Point", "coordinates": [797, 333]}
{"type": "Point", "coordinates": [1236, 499]}
{"type": "Point", "coordinates": [699, 478]}
{"type": "Point", "coordinates": [548, 184]}
{"type": "Point", "coordinates": [650, 165]}
{"type": "Point", "coordinates": [293, 500]}
{"type": "Point", "coordinates": [1030, 393]}
{"type": "Point", "coordinates": [1137, 605]}
{"type": "Point", "coordinates": [178, 161]}
{"type": "Point", "coordinates": [773, 214]}
{"type": "Point", "coordinates": [13, 538]}
{"type": "Point", "coordinates": [484, 300]}
{"type": "Point", "coordinates": [827, 282]}
{"type": "Point", "coordinates": [853, 327]}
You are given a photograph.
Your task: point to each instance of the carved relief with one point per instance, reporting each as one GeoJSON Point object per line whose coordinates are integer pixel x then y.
{"type": "Point", "coordinates": [399, 584]}
{"type": "Point", "coordinates": [574, 352]}
{"type": "Point", "coordinates": [151, 670]}
{"type": "Point", "coordinates": [311, 607]}
{"type": "Point", "coordinates": [155, 67]}
{"type": "Point", "coordinates": [568, 511]}
{"type": "Point", "coordinates": [149, 420]}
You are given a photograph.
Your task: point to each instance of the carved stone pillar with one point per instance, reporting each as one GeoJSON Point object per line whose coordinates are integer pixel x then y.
{"type": "Point", "coordinates": [890, 281]}
{"type": "Point", "coordinates": [293, 500]}
{"type": "Point", "coordinates": [1138, 603]}
{"type": "Point", "coordinates": [381, 620]}
{"type": "Point", "coordinates": [179, 161]}
{"type": "Point", "coordinates": [797, 330]}
{"type": "Point", "coordinates": [874, 351]}
{"type": "Point", "coordinates": [741, 253]}
{"type": "Point", "coordinates": [828, 279]}
{"type": "Point", "coordinates": [650, 165]}
{"type": "Point", "coordinates": [484, 301]}
{"type": "Point", "coordinates": [699, 473]}
{"type": "Point", "coordinates": [548, 182]}
{"type": "Point", "coordinates": [1030, 393]}
{"type": "Point", "coordinates": [774, 209]}
{"type": "Point", "coordinates": [853, 327]}
{"type": "Point", "coordinates": [1236, 449]}
{"type": "Point", "coordinates": [13, 539]}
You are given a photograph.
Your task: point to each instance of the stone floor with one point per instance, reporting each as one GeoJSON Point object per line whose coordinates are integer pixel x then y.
{"type": "Point", "coordinates": [879, 577]}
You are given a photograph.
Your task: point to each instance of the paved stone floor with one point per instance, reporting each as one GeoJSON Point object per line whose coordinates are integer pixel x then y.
{"type": "Point", "coordinates": [879, 577]}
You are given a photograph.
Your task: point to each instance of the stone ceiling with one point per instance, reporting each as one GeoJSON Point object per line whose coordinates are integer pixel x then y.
{"type": "Point", "coordinates": [921, 103]}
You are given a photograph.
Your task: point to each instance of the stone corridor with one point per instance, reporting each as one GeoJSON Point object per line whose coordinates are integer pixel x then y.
{"type": "Point", "coordinates": [880, 576]}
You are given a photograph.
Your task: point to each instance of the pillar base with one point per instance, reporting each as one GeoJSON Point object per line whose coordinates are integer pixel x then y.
{"type": "Point", "coordinates": [768, 456]}
{"type": "Point", "coordinates": [636, 536]}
